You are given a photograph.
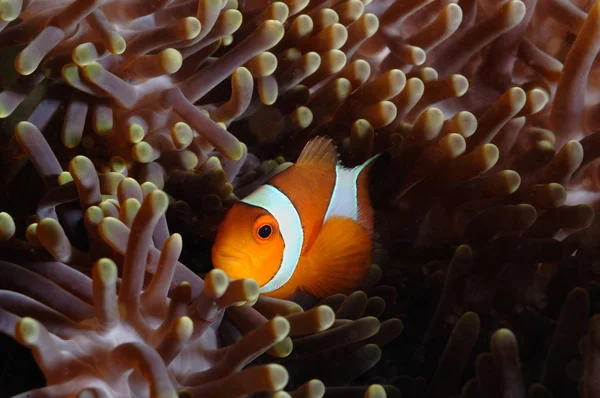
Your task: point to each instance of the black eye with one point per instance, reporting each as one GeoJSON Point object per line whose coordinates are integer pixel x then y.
{"type": "Point", "coordinates": [264, 231]}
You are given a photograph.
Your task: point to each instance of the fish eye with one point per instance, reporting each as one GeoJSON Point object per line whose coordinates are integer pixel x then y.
{"type": "Point", "coordinates": [264, 231]}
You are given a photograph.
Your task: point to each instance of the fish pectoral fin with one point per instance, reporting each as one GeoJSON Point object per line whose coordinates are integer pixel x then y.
{"type": "Point", "coordinates": [318, 151]}
{"type": "Point", "coordinates": [339, 259]}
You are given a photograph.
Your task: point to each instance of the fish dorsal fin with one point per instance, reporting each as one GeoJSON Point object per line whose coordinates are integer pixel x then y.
{"type": "Point", "coordinates": [319, 151]}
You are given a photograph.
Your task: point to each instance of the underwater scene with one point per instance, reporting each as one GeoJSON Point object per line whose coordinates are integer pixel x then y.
{"type": "Point", "coordinates": [299, 198]}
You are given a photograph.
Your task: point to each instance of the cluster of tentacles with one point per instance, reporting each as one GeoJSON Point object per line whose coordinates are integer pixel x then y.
{"type": "Point", "coordinates": [126, 318]}
{"type": "Point", "coordinates": [485, 210]}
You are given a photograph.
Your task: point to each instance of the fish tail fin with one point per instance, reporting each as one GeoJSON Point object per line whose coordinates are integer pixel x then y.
{"type": "Point", "coordinates": [339, 259]}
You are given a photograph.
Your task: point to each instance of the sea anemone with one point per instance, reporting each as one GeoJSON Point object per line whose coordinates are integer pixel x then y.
{"type": "Point", "coordinates": [144, 325]}
{"type": "Point", "coordinates": [486, 226]}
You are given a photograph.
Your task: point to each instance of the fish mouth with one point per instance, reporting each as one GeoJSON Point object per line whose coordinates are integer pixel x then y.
{"type": "Point", "coordinates": [233, 264]}
{"type": "Point", "coordinates": [227, 257]}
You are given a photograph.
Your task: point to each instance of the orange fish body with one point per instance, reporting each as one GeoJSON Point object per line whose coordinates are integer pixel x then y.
{"type": "Point", "coordinates": [307, 229]}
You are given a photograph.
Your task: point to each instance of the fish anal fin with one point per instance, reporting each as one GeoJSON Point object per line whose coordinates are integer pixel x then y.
{"type": "Point", "coordinates": [318, 151]}
{"type": "Point", "coordinates": [339, 259]}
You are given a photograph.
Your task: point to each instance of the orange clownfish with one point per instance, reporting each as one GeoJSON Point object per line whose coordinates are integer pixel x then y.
{"type": "Point", "coordinates": [307, 229]}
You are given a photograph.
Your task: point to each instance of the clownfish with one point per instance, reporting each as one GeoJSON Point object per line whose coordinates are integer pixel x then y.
{"type": "Point", "coordinates": [308, 228]}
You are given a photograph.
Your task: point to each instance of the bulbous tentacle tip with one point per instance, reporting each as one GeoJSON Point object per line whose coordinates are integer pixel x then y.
{"type": "Point", "coordinates": [93, 393]}
{"type": "Point", "coordinates": [515, 11]}
{"type": "Point", "coordinates": [277, 376]}
{"type": "Point", "coordinates": [28, 331]}
{"type": "Point", "coordinates": [105, 270]}
{"type": "Point", "coordinates": [216, 283]}
{"type": "Point", "coordinates": [375, 391]}
{"type": "Point", "coordinates": [271, 31]}
{"type": "Point", "coordinates": [279, 328]}
{"type": "Point", "coordinates": [7, 227]}
{"type": "Point", "coordinates": [158, 201]}
{"type": "Point", "coordinates": [10, 10]}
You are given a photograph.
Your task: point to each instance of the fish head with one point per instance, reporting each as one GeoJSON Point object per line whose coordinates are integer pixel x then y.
{"type": "Point", "coordinates": [248, 244]}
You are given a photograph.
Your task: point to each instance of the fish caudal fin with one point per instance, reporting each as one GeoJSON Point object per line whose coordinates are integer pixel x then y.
{"type": "Point", "coordinates": [319, 150]}
{"type": "Point", "coordinates": [339, 259]}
